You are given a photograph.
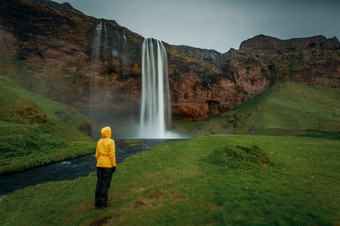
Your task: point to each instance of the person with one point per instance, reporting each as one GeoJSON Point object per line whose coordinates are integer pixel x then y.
{"type": "Point", "coordinates": [106, 166]}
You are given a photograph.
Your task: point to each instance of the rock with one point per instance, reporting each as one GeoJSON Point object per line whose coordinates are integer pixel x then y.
{"type": "Point", "coordinates": [86, 128]}
{"type": "Point", "coordinates": [266, 45]}
{"type": "Point", "coordinates": [190, 111]}
{"type": "Point", "coordinates": [65, 117]}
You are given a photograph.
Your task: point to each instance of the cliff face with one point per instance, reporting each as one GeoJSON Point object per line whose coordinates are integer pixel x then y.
{"type": "Point", "coordinates": [265, 45]}
{"type": "Point", "coordinates": [207, 82]}
{"type": "Point", "coordinates": [313, 61]}
{"type": "Point", "coordinates": [53, 44]}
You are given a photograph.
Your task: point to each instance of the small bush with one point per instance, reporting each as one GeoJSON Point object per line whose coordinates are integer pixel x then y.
{"type": "Point", "coordinates": [238, 157]}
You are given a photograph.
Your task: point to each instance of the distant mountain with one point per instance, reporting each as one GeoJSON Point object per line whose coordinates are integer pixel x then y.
{"type": "Point", "coordinates": [52, 45]}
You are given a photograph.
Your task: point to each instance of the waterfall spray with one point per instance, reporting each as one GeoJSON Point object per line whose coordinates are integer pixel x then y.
{"type": "Point", "coordinates": [155, 117]}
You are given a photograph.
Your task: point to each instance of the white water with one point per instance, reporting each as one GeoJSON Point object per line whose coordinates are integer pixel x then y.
{"type": "Point", "coordinates": [155, 116]}
{"type": "Point", "coordinates": [96, 53]}
{"type": "Point", "coordinates": [108, 44]}
{"type": "Point", "coordinates": [125, 46]}
{"type": "Point", "coordinates": [124, 54]}
{"type": "Point", "coordinates": [96, 48]}
{"type": "Point", "coordinates": [155, 111]}
{"type": "Point", "coordinates": [117, 35]}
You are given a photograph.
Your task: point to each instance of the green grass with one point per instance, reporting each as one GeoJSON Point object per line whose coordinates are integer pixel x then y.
{"type": "Point", "coordinates": [36, 131]}
{"type": "Point", "coordinates": [217, 180]}
{"type": "Point", "coordinates": [285, 108]}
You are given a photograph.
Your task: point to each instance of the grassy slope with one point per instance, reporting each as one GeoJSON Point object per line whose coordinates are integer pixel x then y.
{"type": "Point", "coordinates": [185, 183]}
{"type": "Point", "coordinates": [67, 85]}
{"type": "Point", "coordinates": [33, 134]}
{"type": "Point", "coordinates": [285, 108]}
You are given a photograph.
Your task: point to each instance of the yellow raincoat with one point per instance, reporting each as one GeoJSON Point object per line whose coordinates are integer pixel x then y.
{"type": "Point", "coordinates": [105, 152]}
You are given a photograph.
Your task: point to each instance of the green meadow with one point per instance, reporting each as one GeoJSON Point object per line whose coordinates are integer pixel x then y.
{"type": "Point", "coordinates": [208, 180]}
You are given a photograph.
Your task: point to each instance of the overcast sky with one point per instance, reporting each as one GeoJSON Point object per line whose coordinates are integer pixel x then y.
{"type": "Point", "coordinates": [218, 24]}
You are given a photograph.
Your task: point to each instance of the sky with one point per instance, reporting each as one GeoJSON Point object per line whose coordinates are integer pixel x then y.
{"type": "Point", "coordinates": [218, 24]}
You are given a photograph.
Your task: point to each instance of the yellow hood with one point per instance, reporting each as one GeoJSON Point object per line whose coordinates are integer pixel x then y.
{"type": "Point", "coordinates": [106, 132]}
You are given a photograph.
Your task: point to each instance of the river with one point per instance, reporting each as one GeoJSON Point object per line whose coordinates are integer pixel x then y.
{"type": "Point", "coordinates": [67, 170]}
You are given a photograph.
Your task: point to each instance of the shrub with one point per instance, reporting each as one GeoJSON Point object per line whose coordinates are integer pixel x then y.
{"type": "Point", "coordinates": [237, 157]}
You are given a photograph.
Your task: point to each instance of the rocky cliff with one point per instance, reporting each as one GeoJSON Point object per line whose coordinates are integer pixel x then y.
{"type": "Point", "coordinates": [207, 82]}
{"type": "Point", "coordinates": [51, 45]}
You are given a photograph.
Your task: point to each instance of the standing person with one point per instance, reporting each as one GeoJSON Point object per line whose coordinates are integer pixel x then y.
{"type": "Point", "coordinates": [106, 166]}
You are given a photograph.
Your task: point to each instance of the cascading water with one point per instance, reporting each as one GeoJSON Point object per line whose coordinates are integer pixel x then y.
{"type": "Point", "coordinates": [109, 44]}
{"type": "Point", "coordinates": [97, 43]}
{"type": "Point", "coordinates": [155, 112]}
{"type": "Point", "coordinates": [124, 52]}
{"type": "Point", "coordinates": [155, 115]}
{"type": "Point", "coordinates": [125, 45]}
{"type": "Point", "coordinates": [96, 53]}
{"type": "Point", "coordinates": [117, 35]}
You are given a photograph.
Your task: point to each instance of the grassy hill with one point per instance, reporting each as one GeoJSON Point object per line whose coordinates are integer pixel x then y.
{"type": "Point", "coordinates": [285, 108]}
{"type": "Point", "coordinates": [36, 131]}
{"type": "Point", "coordinates": [211, 180]}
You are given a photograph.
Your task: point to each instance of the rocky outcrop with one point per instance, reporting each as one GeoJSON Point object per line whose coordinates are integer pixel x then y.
{"type": "Point", "coordinates": [265, 45]}
{"type": "Point", "coordinates": [53, 44]}
{"type": "Point", "coordinates": [204, 88]}
{"type": "Point", "coordinates": [313, 61]}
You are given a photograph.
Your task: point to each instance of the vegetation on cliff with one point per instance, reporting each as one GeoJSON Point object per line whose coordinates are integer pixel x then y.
{"type": "Point", "coordinates": [285, 108]}
{"type": "Point", "coordinates": [37, 131]}
{"type": "Point", "coordinates": [56, 83]}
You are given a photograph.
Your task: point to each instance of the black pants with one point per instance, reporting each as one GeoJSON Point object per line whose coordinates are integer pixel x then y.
{"type": "Point", "coordinates": [103, 184]}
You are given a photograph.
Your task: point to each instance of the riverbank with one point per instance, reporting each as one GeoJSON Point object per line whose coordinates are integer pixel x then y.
{"type": "Point", "coordinates": [36, 131]}
{"type": "Point", "coordinates": [205, 180]}
{"type": "Point", "coordinates": [72, 168]}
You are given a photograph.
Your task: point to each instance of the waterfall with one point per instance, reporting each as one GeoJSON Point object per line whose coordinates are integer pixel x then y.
{"type": "Point", "coordinates": [124, 52]}
{"type": "Point", "coordinates": [117, 35]}
{"type": "Point", "coordinates": [109, 49]}
{"type": "Point", "coordinates": [125, 45]}
{"type": "Point", "coordinates": [155, 115]}
{"type": "Point", "coordinates": [97, 42]}
{"type": "Point", "coordinates": [96, 53]}
{"type": "Point", "coordinates": [109, 43]}
{"type": "Point", "coordinates": [106, 42]}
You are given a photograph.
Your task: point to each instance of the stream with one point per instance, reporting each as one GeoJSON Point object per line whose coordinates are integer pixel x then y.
{"type": "Point", "coordinates": [67, 170]}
